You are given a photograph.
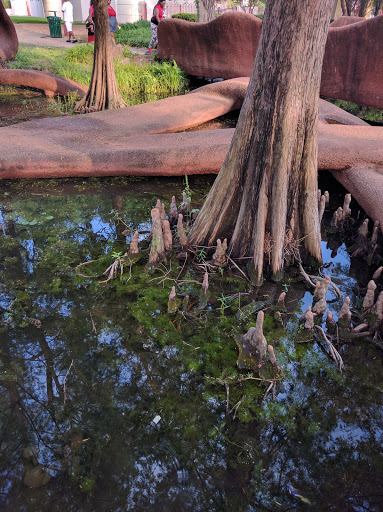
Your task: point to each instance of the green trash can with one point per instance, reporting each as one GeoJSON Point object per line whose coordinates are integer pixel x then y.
{"type": "Point", "coordinates": [54, 23]}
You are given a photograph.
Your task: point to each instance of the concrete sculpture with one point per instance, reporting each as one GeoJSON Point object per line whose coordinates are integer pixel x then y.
{"type": "Point", "coordinates": [226, 48]}
{"type": "Point", "coordinates": [51, 85]}
{"type": "Point", "coordinates": [140, 140]}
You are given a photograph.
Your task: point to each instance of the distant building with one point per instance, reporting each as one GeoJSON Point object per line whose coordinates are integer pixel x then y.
{"type": "Point", "coordinates": [128, 11]}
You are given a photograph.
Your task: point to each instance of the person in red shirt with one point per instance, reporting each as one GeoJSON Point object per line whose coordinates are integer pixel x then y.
{"type": "Point", "coordinates": [158, 15]}
{"type": "Point", "coordinates": [113, 23]}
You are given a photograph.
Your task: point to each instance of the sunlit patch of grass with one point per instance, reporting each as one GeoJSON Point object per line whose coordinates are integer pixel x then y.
{"type": "Point", "coordinates": [138, 83]}
{"type": "Point", "coordinates": [149, 82]}
{"type": "Point", "coordinates": [134, 34]}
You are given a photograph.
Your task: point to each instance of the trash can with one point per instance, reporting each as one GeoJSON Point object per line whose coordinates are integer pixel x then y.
{"type": "Point", "coordinates": [54, 23]}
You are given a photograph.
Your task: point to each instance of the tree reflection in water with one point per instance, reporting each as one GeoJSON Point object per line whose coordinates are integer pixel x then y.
{"type": "Point", "coordinates": [78, 394]}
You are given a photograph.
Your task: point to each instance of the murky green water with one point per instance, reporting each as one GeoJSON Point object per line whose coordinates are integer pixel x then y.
{"type": "Point", "coordinates": [79, 394]}
{"type": "Point", "coordinates": [18, 104]}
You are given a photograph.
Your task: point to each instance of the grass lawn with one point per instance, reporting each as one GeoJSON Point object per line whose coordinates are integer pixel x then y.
{"type": "Point", "coordinates": [138, 83]}
{"type": "Point", "coordinates": [30, 19]}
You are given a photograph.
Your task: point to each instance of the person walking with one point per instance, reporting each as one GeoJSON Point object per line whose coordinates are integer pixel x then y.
{"type": "Point", "coordinates": [67, 10]}
{"type": "Point", "coordinates": [158, 15]}
{"type": "Point", "coordinates": [113, 23]}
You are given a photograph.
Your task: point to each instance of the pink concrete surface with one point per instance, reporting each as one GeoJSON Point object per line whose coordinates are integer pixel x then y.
{"type": "Point", "coordinates": [51, 85]}
{"type": "Point", "coordinates": [353, 64]}
{"type": "Point", "coordinates": [342, 21]}
{"type": "Point", "coordinates": [226, 48]}
{"type": "Point", "coordinates": [222, 48]}
{"type": "Point", "coordinates": [138, 140]}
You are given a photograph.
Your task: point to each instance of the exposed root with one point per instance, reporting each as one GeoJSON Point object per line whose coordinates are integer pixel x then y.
{"type": "Point", "coordinates": [332, 350]}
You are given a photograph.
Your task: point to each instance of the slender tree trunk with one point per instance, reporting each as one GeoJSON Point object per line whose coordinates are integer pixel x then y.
{"type": "Point", "coordinates": [205, 11]}
{"type": "Point", "coordinates": [350, 4]}
{"type": "Point", "coordinates": [336, 10]}
{"type": "Point", "coordinates": [365, 8]}
{"type": "Point", "coordinates": [344, 7]}
{"type": "Point", "coordinates": [103, 91]}
{"type": "Point", "coordinates": [265, 196]}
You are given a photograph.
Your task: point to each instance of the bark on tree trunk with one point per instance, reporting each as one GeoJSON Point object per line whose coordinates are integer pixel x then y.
{"type": "Point", "coordinates": [365, 8]}
{"type": "Point", "coordinates": [264, 199]}
{"type": "Point", "coordinates": [103, 92]}
{"type": "Point", "coordinates": [350, 4]}
{"type": "Point", "coordinates": [344, 7]}
{"type": "Point", "coordinates": [205, 11]}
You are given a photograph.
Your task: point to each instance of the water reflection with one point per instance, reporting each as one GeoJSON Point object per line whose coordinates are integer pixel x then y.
{"type": "Point", "coordinates": [79, 394]}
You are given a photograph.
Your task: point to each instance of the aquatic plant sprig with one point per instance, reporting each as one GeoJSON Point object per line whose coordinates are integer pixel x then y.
{"type": "Point", "coordinates": [227, 381]}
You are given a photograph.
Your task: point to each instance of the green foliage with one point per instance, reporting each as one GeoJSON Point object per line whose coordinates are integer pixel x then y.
{"type": "Point", "coordinates": [28, 19]}
{"type": "Point", "coordinates": [33, 19]}
{"type": "Point", "coordinates": [138, 83]}
{"type": "Point", "coordinates": [149, 82]}
{"type": "Point", "coordinates": [187, 16]}
{"type": "Point", "coordinates": [58, 61]}
{"type": "Point", "coordinates": [187, 188]}
{"type": "Point", "coordinates": [373, 115]}
{"type": "Point", "coordinates": [134, 34]}
{"type": "Point", "coordinates": [64, 105]}
{"type": "Point", "coordinates": [80, 53]}
{"type": "Point", "coordinates": [7, 4]}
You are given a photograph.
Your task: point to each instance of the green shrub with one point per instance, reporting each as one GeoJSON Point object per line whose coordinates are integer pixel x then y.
{"type": "Point", "coordinates": [134, 34]}
{"type": "Point", "coordinates": [187, 16]}
{"type": "Point", "coordinates": [28, 19]}
{"type": "Point", "coordinates": [7, 4]}
{"type": "Point", "coordinates": [149, 82]}
{"type": "Point", "coordinates": [260, 16]}
{"type": "Point", "coordinates": [138, 83]}
{"type": "Point", "coordinates": [80, 54]}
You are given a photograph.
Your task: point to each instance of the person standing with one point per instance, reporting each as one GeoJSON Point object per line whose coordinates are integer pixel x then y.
{"type": "Point", "coordinates": [158, 15]}
{"type": "Point", "coordinates": [91, 10]}
{"type": "Point", "coordinates": [113, 23]}
{"type": "Point", "coordinates": [90, 26]}
{"type": "Point", "coordinates": [67, 10]}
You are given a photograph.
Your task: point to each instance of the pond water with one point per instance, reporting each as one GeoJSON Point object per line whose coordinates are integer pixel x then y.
{"type": "Point", "coordinates": [113, 404]}
{"type": "Point", "coordinates": [18, 104]}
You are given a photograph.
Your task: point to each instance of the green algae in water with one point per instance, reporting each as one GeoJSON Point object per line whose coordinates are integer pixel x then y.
{"type": "Point", "coordinates": [84, 388]}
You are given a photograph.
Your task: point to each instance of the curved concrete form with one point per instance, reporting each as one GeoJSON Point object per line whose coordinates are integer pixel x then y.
{"type": "Point", "coordinates": [352, 66]}
{"type": "Point", "coordinates": [51, 85]}
{"type": "Point", "coordinates": [342, 21]}
{"type": "Point", "coordinates": [226, 47]}
{"type": "Point", "coordinates": [9, 43]}
{"type": "Point", "coordinates": [222, 48]}
{"type": "Point", "coordinates": [138, 141]}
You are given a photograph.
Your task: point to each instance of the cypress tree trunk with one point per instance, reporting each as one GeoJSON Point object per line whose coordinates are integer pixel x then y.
{"type": "Point", "coordinates": [103, 92]}
{"type": "Point", "coordinates": [350, 4]}
{"type": "Point", "coordinates": [264, 199]}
